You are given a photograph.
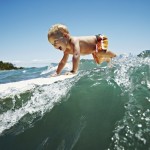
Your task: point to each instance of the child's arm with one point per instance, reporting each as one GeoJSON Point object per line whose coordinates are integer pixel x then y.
{"type": "Point", "coordinates": [61, 64]}
{"type": "Point", "coordinates": [76, 57]}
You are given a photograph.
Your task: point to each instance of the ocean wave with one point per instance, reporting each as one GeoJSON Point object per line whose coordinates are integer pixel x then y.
{"type": "Point", "coordinates": [38, 101]}
{"type": "Point", "coordinates": [110, 104]}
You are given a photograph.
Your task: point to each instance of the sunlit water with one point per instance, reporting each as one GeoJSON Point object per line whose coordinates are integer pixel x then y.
{"type": "Point", "coordinates": [101, 108]}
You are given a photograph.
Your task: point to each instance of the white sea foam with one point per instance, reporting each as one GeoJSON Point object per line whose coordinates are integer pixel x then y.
{"type": "Point", "coordinates": [126, 64]}
{"type": "Point", "coordinates": [49, 69]}
{"type": "Point", "coordinates": [24, 71]}
{"type": "Point", "coordinates": [42, 100]}
{"type": "Point", "coordinates": [21, 86]}
{"type": "Point", "coordinates": [52, 68]}
{"type": "Point", "coordinates": [130, 73]}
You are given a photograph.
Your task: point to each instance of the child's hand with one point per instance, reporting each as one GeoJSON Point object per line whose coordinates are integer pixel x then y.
{"type": "Point", "coordinates": [54, 74]}
{"type": "Point", "coordinates": [69, 73]}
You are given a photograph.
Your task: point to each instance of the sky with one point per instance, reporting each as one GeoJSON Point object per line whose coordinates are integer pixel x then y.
{"type": "Point", "coordinates": [24, 25]}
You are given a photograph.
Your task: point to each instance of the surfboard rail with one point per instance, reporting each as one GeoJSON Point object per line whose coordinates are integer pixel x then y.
{"type": "Point", "coordinates": [32, 82]}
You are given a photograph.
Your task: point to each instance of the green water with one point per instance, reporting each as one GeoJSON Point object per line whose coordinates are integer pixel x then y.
{"type": "Point", "coordinates": [99, 109]}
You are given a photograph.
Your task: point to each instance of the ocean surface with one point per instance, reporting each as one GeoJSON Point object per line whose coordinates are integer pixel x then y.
{"type": "Point", "coordinates": [101, 108]}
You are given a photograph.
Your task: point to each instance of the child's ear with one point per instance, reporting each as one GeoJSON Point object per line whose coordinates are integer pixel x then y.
{"type": "Point", "coordinates": [66, 35]}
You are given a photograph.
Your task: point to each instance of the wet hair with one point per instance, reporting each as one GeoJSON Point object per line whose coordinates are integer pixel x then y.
{"type": "Point", "coordinates": [57, 29]}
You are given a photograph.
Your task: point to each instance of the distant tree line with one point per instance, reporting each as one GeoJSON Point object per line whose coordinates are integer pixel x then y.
{"type": "Point", "coordinates": [8, 66]}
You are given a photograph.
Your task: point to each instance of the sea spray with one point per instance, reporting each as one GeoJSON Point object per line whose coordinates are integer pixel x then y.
{"type": "Point", "coordinates": [102, 108]}
{"type": "Point", "coordinates": [133, 131]}
{"type": "Point", "coordinates": [41, 100]}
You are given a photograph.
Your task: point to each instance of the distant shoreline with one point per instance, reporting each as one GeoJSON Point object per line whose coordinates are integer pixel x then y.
{"type": "Point", "coordinates": [8, 66]}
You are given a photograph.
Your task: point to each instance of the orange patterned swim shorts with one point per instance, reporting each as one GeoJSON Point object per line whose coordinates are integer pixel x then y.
{"type": "Point", "coordinates": [101, 46]}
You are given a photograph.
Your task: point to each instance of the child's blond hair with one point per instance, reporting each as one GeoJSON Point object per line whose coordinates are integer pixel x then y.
{"type": "Point", "coordinates": [57, 29]}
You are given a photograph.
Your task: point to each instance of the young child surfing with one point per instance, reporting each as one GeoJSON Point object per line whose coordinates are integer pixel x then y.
{"type": "Point", "coordinates": [60, 38]}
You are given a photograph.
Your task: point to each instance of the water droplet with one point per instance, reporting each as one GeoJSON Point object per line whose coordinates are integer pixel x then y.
{"type": "Point", "coordinates": [132, 120]}
{"type": "Point", "coordinates": [143, 114]}
{"type": "Point", "coordinates": [142, 82]}
{"type": "Point", "coordinates": [139, 125]}
{"type": "Point", "coordinates": [142, 118]}
{"type": "Point", "coordinates": [147, 119]}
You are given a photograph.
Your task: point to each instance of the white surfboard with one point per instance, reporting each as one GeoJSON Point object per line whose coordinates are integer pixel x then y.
{"type": "Point", "coordinates": [28, 83]}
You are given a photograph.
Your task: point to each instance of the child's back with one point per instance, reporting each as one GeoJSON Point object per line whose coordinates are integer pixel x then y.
{"type": "Point", "coordinates": [96, 45]}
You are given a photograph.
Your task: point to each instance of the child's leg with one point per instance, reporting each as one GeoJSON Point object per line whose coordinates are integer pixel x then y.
{"type": "Point", "coordinates": [108, 58]}
{"type": "Point", "coordinates": [110, 54]}
{"type": "Point", "coordinates": [103, 56]}
{"type": "Point", "coordinates": [109, 62]}
{"type": "Point", "coordinates": [101, 59]}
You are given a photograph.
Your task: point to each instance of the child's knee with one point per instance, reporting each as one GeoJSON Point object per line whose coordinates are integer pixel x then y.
{"type": "Point", "coordinates": [100, 60]}
{"type": "Point", "coordinates": [108, 60]}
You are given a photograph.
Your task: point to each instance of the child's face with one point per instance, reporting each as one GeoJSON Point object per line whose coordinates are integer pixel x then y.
{"type": "Point", "coordinates": [59, 42]}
